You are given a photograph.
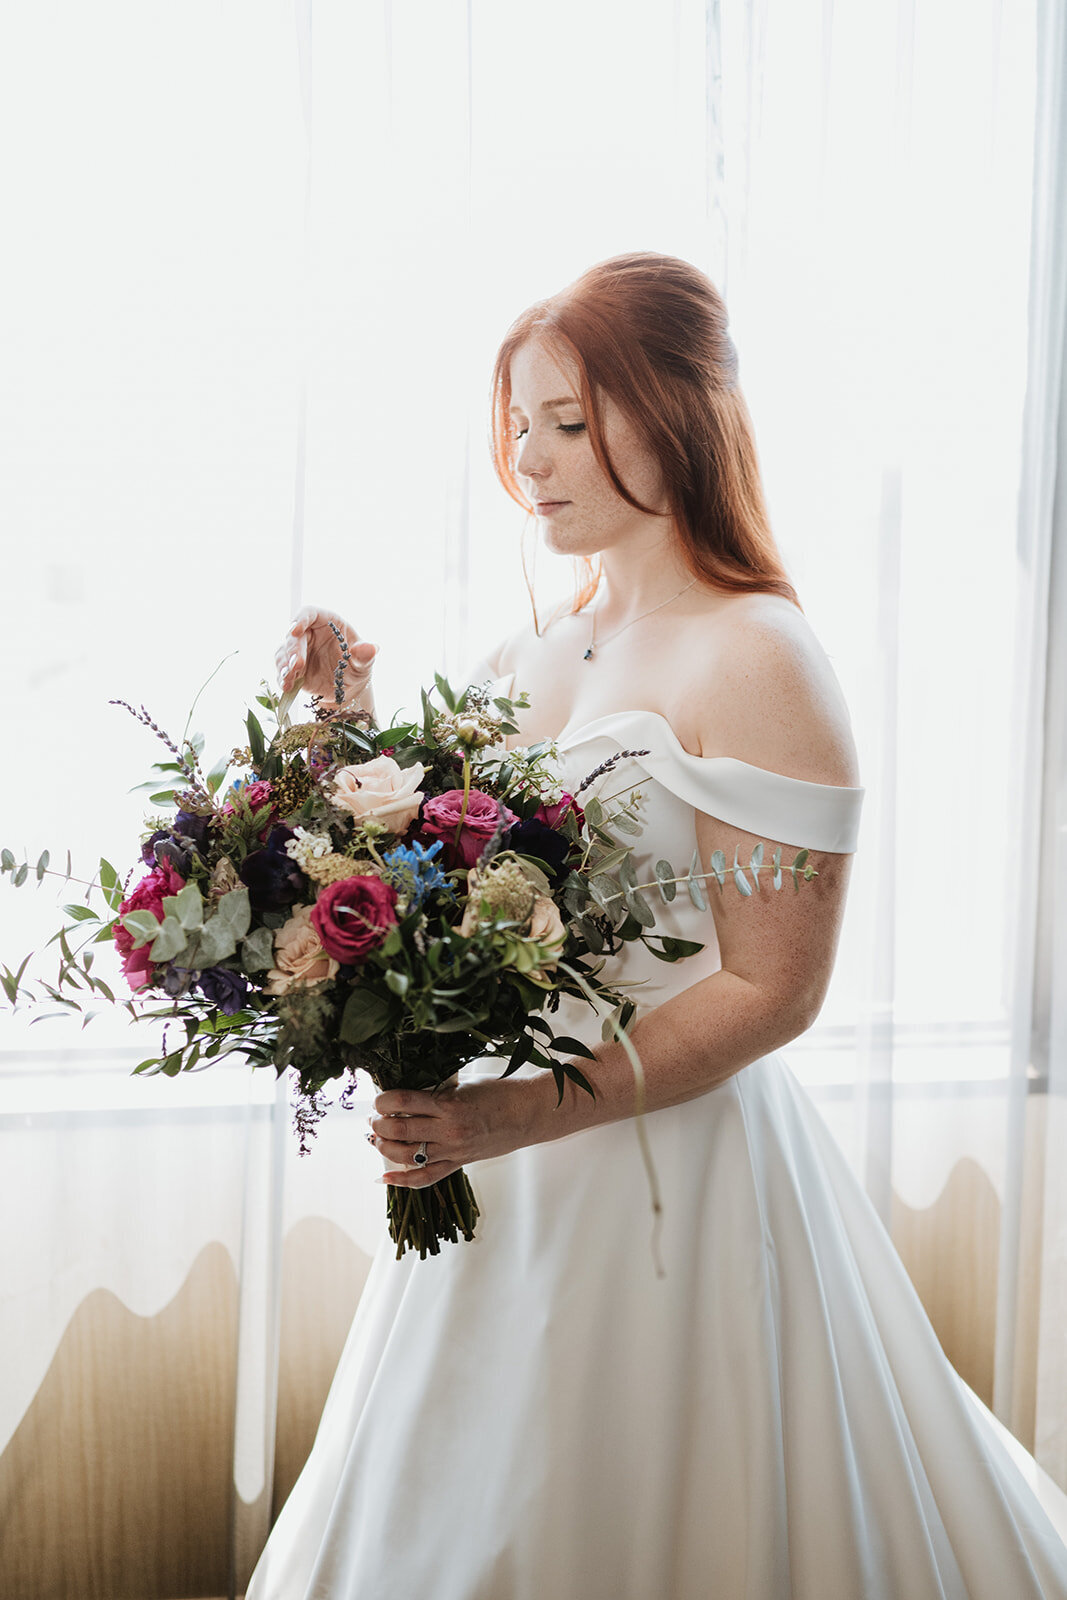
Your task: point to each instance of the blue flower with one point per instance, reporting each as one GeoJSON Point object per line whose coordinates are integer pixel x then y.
{"type": "Point", "coordinates": [414, 872]}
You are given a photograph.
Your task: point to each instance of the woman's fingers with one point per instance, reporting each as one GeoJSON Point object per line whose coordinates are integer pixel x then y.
{"type": "Point", "coordinates": [409, 1130]}
{"type": "Point", "coordinates": [420, 1177]}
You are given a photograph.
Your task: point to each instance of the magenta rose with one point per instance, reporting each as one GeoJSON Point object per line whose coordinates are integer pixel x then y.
{"type": "Point", "coordinates": [440, 819]}
{"type": "Point", "coordinates": [353, 916]}
{"type": "Point", "coordinates": [147, 896]}
{"type": "Point", "coordinates": [552, 816]}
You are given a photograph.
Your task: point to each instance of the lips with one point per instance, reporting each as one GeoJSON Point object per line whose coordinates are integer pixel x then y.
{"type": "Point", "coordinates": [550, 505]}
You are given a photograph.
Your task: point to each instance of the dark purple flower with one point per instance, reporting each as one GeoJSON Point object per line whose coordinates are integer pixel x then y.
{"type": "Point", "coordinates": [194, 828]}
{"type": "Point", "coordinates": [534, 838]}
{"type": "Point", "coordinates": [273, 879]}
{"type": "Point", "coordinates": [148, 849]}
{"type": "Point", "coordinates": [224, 988]}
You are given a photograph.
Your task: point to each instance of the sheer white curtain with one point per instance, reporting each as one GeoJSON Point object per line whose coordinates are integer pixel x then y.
{"type": "Point", "coordinates": [262, 257]}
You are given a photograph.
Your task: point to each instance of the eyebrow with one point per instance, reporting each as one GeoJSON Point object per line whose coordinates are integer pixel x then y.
{"type": "Point", "coordinates": [566, 400]}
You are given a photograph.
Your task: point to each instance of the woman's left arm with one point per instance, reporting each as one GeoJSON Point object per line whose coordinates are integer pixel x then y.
{"type": "Point", "coordinates": [776, 947]}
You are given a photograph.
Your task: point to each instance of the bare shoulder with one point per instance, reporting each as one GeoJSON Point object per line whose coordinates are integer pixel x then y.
{"type": "Point", "coordinates": [766, 693]}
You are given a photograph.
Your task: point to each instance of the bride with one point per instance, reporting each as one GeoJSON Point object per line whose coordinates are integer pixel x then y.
{"type": "Point", "coordinates": [542, 1414]}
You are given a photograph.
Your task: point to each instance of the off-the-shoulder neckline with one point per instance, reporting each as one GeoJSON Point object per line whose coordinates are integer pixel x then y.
{"type": "Point", "coordinates": [571, 736]}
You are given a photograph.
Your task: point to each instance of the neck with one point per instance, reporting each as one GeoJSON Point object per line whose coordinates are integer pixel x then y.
{"type": "Point", "coordinates": [635, 580]}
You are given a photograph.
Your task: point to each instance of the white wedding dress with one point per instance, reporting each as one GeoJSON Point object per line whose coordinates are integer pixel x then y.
{"type": "Point", "coordinates": [537, 1416]}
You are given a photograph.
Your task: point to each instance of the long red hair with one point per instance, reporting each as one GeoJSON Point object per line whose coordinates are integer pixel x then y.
{"type": "Point", "coordinates": [651, 331]}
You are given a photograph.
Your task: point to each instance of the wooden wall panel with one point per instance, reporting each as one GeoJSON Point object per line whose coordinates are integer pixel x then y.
{"type": "Point", "coordinates": [116, 1484]}
{"type": "Point", "coordinates": [951, 1250]}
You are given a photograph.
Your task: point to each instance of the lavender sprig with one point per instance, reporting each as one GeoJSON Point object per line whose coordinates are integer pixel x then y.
{"type": "Point", "coordinates": [607, 766]}
{"type": "Point", "coordinates": [192, 770]}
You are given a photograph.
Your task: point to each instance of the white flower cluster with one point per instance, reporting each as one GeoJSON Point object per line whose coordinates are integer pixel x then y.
{"type": "Point", "coordinates": [308, 846]}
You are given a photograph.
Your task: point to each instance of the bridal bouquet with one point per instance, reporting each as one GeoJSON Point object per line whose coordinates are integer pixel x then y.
{"type": "Point", "coordinates": [402, 900]}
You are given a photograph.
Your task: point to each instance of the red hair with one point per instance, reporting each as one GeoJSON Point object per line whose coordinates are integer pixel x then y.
{"type": "Point", "coordinates": [651, 331]}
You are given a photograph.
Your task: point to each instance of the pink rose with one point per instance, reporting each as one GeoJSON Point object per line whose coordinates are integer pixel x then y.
{"type": "Point", "coordinates": [258, 794]}
{"type": "Point", "coordinates": [553, 815]}
{"type": "Point", "coordinates": [440, 819]}
{"type": "Point", "coordinates": [353, 916]}
{"type": "Point", "coordinates": [148, 895]}
{"type": "Point", "coordinates": [381, 791]}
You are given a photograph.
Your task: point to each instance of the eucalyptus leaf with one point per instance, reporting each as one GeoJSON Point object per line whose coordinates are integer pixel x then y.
{"type": "Point", "coordinates": [144, 925]}
{"type": "Point", "coordinates": [623, 823]}
{"type": "Point", "coordinates": [740, 880]}
{"type": "Point", "coordinates": [594, 813]}
{"type": "Point", "coordinates": [187, 905]}
{"type": "Point", "coordinates": [42, 865]}
{"type": "Point", "coordinates": [169, 940]}
{"type": "Point", "coordinates": [695, 883]}
{"type": "Point", "coordinates": [665, 876]}
{"type": "Point", "coordinates": [718, 867]}
{"type": "Point", "coordinates": [776, 863]}
{"type": "Point", "coordinates": [21, 875]}
{"type": "Point", "coordinates": [398, 982]}
{"type": "Point", "coordinates": [7, 861]}
{"type": "Point", "coordinates": [755, 861]}
{"type": "Point", "coordinates": [233, 912]}
{"type": "Point", "coordinates": [639, 907]}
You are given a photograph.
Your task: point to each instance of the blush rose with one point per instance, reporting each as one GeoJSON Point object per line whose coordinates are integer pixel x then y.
{"type": "Point", "coordinates": [299, 959]}
{"type": "Point", "coordinates": [381, 791]}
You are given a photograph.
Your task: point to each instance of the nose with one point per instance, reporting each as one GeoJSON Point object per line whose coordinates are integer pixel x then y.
{"type": "Point", "coordinates": [532, 460]}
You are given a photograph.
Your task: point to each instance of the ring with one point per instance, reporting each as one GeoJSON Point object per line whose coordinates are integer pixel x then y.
{"type": "Point", "coordinates": [420, 1157]}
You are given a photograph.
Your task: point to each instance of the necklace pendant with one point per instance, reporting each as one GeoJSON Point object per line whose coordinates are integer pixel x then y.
{"type": "Point", "coordinates": [588, 654]}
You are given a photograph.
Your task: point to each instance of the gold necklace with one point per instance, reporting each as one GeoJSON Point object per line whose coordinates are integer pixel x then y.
{"type": "Point", "coordinates": [640, 618]}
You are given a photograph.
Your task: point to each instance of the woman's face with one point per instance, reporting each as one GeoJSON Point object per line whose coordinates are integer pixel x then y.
{"type": "Point", "coordinates": [579, 509]}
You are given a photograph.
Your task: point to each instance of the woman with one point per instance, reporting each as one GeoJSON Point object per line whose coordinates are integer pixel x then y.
{"type": "Point", "coordinates": [539, 1414]}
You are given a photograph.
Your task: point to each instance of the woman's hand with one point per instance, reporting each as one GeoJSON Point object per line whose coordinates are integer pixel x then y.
{"type": "Point", "coordinates": [308, 655]}
{"type": "Point", "coordinates": [460, 1123]}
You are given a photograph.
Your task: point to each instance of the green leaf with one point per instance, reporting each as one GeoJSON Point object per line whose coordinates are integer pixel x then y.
{"type": "Point", "coordinates": [163, 797]}
{"type": "Point", "coordinates": [611, 859]}
{"type": "Point", "coordinates": [444, 689]}
{"type": "Point", "coordinates": [718, 867]}
{"type": "Point", "coordinates": [398, 982]}
{"type": "Point", "coordinates": [366, 1014]}
{"type": "Point", "coordinates": [594, 813]}
{"type": "Point", "coordinates": [673, 949]}
{"type": "Point", "coordinates": [42, 865]}
{"type": "Point", "coordinates": [256, 742]}
{"type": "Point", "coordinates": [776, 863]}
{"type": "Point", "coordinates": [755, 861]}
{"type": "Point", "coordinates": [257, 950]}
{"type": "Point", "coordinates": [21, 875]}
{"type": "Point", "coordinates": [799, 860]}
{"type": "Point", "coordinates": [81, 913]}
{"type": "Point", "coordinates": [592, 935]}
{"type": "Point", "coordinates": [577, 1076]}
{"type": "Point", "coordinates": [572, 1047]}
{"type": "Point", "coordinates": [522, 1052]}
{"type": "Point", "coordinates": [7, 861]}
{"type": "Point", "coordinates": [665, 878]}
{"type": "Point", "coordinates": [217, 774]}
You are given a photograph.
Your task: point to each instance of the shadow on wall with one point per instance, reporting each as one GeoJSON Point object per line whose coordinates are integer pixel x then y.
{"type": "Point", "coordinates": [117, 1483]}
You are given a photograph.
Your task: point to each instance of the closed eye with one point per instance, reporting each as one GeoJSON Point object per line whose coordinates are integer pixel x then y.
{"type": "Point", "coordinates": [564, 427]}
